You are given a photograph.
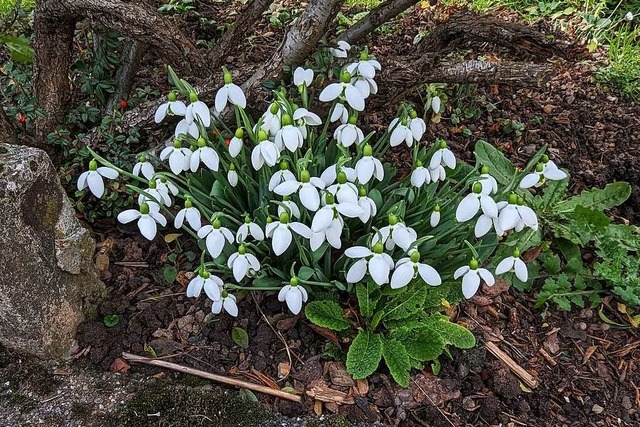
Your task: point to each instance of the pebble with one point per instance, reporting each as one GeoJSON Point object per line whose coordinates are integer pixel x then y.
{"type": "Point", "coordinates": [605, 326]}
{"type": "Point", "coordinates": [626, 402]}
{"type": "Point", "coordinates": [582, 326]}
{"type": "Point", "coordinates": [597, 409]}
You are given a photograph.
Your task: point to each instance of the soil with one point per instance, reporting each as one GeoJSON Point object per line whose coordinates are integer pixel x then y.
{"type": "Point", "coordinates": [587, 370]}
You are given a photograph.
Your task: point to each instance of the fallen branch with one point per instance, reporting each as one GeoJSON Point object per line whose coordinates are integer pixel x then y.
{"type": "Point", "coordinates": [218, 378]}
{"type": "Point", "coordinates": [526, 377]}
{"type": "Point", "coordinates": [129, 63]}
{"type": "Point", "coordinates": [382, 13]}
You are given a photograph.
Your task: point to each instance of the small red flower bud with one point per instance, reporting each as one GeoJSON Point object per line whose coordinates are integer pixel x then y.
{"type": "Point", "coordinates": [22, 119]}
{"type": "Point", "coordinates": [227, 141]}
{"type": "Point", "coordinates": [123, 104]}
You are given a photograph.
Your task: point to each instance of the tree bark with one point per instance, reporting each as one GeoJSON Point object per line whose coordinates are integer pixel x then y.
{"type": "Point", "coordinates": [382, 13]}
{"type": "Point", "coordinates": [7, 129]}
{"type": "Point", "coordinates": [129, 64]}
{"type": "Point", "coordinates": [233, 37]}
{"type": "Point", "coordinates": [505, 72]}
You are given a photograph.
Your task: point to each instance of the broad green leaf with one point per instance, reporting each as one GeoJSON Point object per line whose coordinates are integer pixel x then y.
{"type": "Point", "coordinates": [306, 273]}
{"type": "Point", "coordinates": [454, 334]}
{"type": "Point", "coordinates": [553, 193]}
{"type": "Point", "coordinates": [267, 282]}
{"type": "Point", "coordinates": [170, 274]}
{"type": "Point", "coordinates": [240, 337]}
{"type": "Point", "coordinates": [612, 195]}
{"type": "Point", "coordinates": [499, 166]}
{"type": "Point", "coordinates": [364, 354]}
{"type": "Point", "coordinates": [18, 47]}
{"type": "Point", "coordinates": [368, 295]}
{"type": "Point", "coordinates": [407, 303]}
{"type": "Point", "coordinates": [427, 345]}
{"type": "Point", "coordinates": [397, 360]}
{"type": "Point", "coordinates": [327, 314]}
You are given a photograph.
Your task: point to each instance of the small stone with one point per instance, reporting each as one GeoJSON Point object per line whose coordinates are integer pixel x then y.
{"type": "Point", "coordinates": [605, 327]}
{"type": "Point", "coordinates": [597, 409]}
{"type": "Point", "coordinates": [463, 371]}
{"type": "Point", "coordinates": [626, 403]}
{"type": "Point", "coordinates": [469, 404]}
{"type": "Point", "coordinates": [548, 109]}
{"type": "Point", "coordinates": [582, 326]}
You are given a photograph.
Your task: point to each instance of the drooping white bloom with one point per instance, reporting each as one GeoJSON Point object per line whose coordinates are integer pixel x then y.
{"type": "Point", "coordinates": [344, 191]}
{"type": "Point", "coordinates": [367, 205]}
{"type": "Point", "coordinates": [363, 74]}
{"type": "Point", "coordinates": [396, 233]}
{"type": "Point", "coordinates": [290, 207]}
{"type": "Point", "coordinates": [215, 236]}
{"type": "Point", "coordinates": [242, 263]}
{"type": "Point", "coordinates": [289, 135]}
{"type": "Point", "coordinates": [303, 76]}
{"type": "Point", "coordinates": [400, 132]}
{"type": "Point", "coordinates": [434, 220]}
{"type": "Point", "coordinates": [417, 125]}
{"type": "Point", "coordinates": [352, 94]}
{"type": "Point", "coordinates": [249, 228]}
{"type": "Point", "coordinates": [236, 143]}
{"type": "Point", "coordinates": [144, 167]}
{"type": "Point", "coordinates": [226, 302]}
{"type": "Point", "coordinates": [304, 118]}
{"type": "Point", "coordinates": [178, 156]}
{"type": "Point", "coordinates": [438, 173]}
{"type": "Point", "coordinates": [171, 108]}
{"type": "Point", "coordinates": [204, 154]}
{"type": "Point", "coordinates": [281, 176]}
{"type": "Point", "coordinates": [435, 104]}
{"type": "Point", "coordinates": [515, 215]}
{"type": "Point", "coordinates": [331, 210]}
{"type": "Point", "coordinates": [420, 175]}
{"type": "Point", "coordinates": [148, 215]}
{"type": "Point", "coordinates": [211, 284]}
{"type": "Point", "coordinates": [331, 234]}
{"type": "Point", "coordinates": [184, 127]}
{"type": "Point", "coordinates": [515, 264]}
{"type": "Point", "coordinates": [93, 178]}
{"type": "Point", "coordinates": [232, 175]}
{"type": "Point", "coordinates": [280, 233]}
{"type": "Point", "coordinates": [197, 111]}
{"type": "Point", "coordinates": [264, 152]}
{"type": "Point", "coordinates": [489, 183]}
{"type": "Point", "coordinates": [548, 170]}
{"type": "Point", "coordinates": [409, 267]}
{"type": "Point", "coordinates": [230, 92]}
{"type": "Point", "coordinates": [156, 194]}
{"type": "Point", "coordinates": [375, 261]}
{"type": "Point", "coordinates": [471, 275]}
{"type": "Point", "coordinates": [341, 50]}
{"type": "Point", "coordinates": [348, 133]}
{"type": "Point", "coordinates": [271, 119]}
{"type": "Point", "coordinates": [368, 166]}
{"type": "Point", "coordinates": [628, 16]}
{"type": "Point", "coordinates": [191, 214]}
{"type": "Point", "coordinates": [307, 189]}
{"type": "Point", "coordinates": [340, 112]}
{"type": "Point", "coordinates": [473, 202]}
{"type": "Point", "coordinates": [443, 157]}
{"type": "Point", "coordinates": [294, 295]}
{"type": "Point", "coordinates": [330, 174]}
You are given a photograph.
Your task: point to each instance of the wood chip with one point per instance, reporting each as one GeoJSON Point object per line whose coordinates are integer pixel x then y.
{"type": "Point", "coordinates": [547, 357]}
{"type": "Point", "coordinates": [284, 368]}
{"type": "Point", "coordinates": [526, 377]}
{"type": "Point", "coordinates": [339, 375]}
{"type": "Point", "coordinates": [587, 354]}
{"type": "Point", "coordinates": [320, 390]}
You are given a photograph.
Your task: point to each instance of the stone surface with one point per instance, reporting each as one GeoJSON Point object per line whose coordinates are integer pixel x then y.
{"type": "Point", "coordinates": [48, 281]}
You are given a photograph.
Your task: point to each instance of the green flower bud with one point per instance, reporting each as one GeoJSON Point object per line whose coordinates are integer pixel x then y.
{"type": "Point", "coordinates": [269, 220]}
{"type": "Point", "coordinates": [93, 165]}
{"type": "Point", "coordinates": [342, 177]}
{"type": "Point", "coordinates": [442, 145]}
{"type": "Point", "coordinates": [345, 77]}
{"type": "Point", "coordinates": [286, 120]}
{"type": "Point", "coordinates": [239, 133]}
{"type": "Point", "coordinates": [378, 248]}
{"type": "Point", "coordinates": [262, 135]}
{"type": "Point", "coordinates": [353, 119]}
{"type": "Point", "coordinates": [413, 114]}
{"type": "Point", "coordinates": [393, 220]}
{"type": "Point", "coordinates": [362, 192]}
{"type": "Point", "coordinates": [202, 142]}
{"type": "Point", "coordinates": [172, 96]}
{"type": "Point", "coordinates": [477, 187]}
{"type": "Point", "coordinates": [293, 281]}
{"type": "Point", "coordinates": [284, 165]}
{"type": "Point", "coordinates": [247, 219]}
{"type": "Point", "coordinates": [513, 199]}
{"type": "Point", "coordinates": [232, 167]}
{"type": "Point", "coordinates": [188, 203]}
{"type": "Point", "coordinates": [224, 294]}
{"type": "Point", "coordinates": [143, 158]}
{"type": "Point", "coordinates": [484, 170]}
{"type": "Point", "coordinates": [305, 176]}
{"type": "Point", "coordinates": [177, 143]}
{"type": "Point", "coordinates": [204, 274]}
{"type": "Point", "coordinates": [364, 55]}
{"type": "Point", "coordinates": [284, 218]}
{"type": "Point", "coordinates": [545, 158]}
{"type": "Point", "coordinates": [539, 167]}
{"type": "Point", "coordinates": [329, 198]}
{"type": "Point", "coordinates": [273, 109]}
{"type": "Point", "coordinates": [367, 150]}
{"type": "Point", "coordinates": [418, 163]}
{"type": "Point", "coordinates": [516, 253]}
{"type": "Point", "coordinates": [436, 208]}
{"type": "Point", "coordinates": [242, 250]}
{"type": "Point", "coordinates": [144, 209]}
{"type": "Point", "coordinates": [473, 264]}
{"type": "Point", "coordinates": [520, 200]}
{"type": "Point", "coordinates": [415, 256]}
{"type": "Point", "coordinates": [152, 183]}
{"type": "Point", "coordinates": [217, 224]}
{"type": "Point", "coordinates": [404, 121]}
{"type": "Point", "coordinates": [228, 78]}
{"type": "Point", "coordinates": [193, 97]}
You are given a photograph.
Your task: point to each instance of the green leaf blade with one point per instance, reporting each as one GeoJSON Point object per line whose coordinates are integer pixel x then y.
{"type": "Point", "coordinates": [397, 360]}
{"type": "Point", "coordinates": [327, 314]}
{"type": "Point", "coordinates": [364, 355]}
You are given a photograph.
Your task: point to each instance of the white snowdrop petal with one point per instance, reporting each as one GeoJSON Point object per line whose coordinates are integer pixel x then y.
{"type": "Point", "coordinates": [179, 219]}
{"type": "Point", "coordinates": [364, 169]}
{"type": "Point", "coordinates": [301, 229]}
{"type": "Point", "coordinates": [554, 174]}
{"type": "Point", "coordinates": [529, 180]}
{"type": "Point", "coordinates": [82, 180]}
{"type": "Point", "coordinates": [201, 111]}
{"type": "Point", "coordinates": [470, 284]}
{"type": "Point", "coordinates": [357, 271]}
{"type": "Point", "coordinates": [487, 276]}
{"type": "Point", "coordinates": [354, 98]}
{"type": "Point", "coordinates": [148, 227]}
{"type": "Point", "coordinates": [467, 208]}
{"type": "Point", "coordinates": [449, 158]}
{"type": "Point", "coordinates": [230, 306]}
{"type": "Point", "coordinates": [281, 240]}
{"type": "Point", "coordinates": [505, 265]}
{"type": "Point", "coordinates": [429, 275]}
{"type": "Point", "coordinates": [195, 287]}
{"type": "Point", "coordinates": [194, 218]}
{"type": "Point", "coordinates": [287, 188]}
{"type": "Point", "coordinates": [508, 218]}
{"type": "Point", "coordinates": [521, 270]}
{"type": "Point", "coordinates": [212, 289]}
{"type": "Point", "coordinates": [161, 112]}
{"type": "Point", "coordinates": [253, 262]}
{"type": "Point", "coordinates": [108, 172]}
{"type": "Point", "coordinates": [240, 268]}
{"type": "Point", "coordinates": [435, 219]}
{"type": "Point", "coordinates": [176, 162]}
{"type": "Point", "coordinates": [379, 270]}
{"type": "Point", "coordinates": [489, 206]}
{"type": "Point", "coordinates": [221, 98]}
{"type": "Point", "coordinates": [460, 271]}
{"type": "Point", "coordinates": [283, 293]}
{"type": "Point", "coordinates": [129, 215]}
{"type": "Point", "coordinates": [402, 275]}
{"type": "Point", "coordinates": [96, 185]}
{"type": "Point", "coordinates": [158, 217]}
{"type": "Point", "coordinates": [309, 197]}
{"type": "Point", "coordinates": [330, 92]}
{"type": "Point", "coordinates": [294, 300]}
{"type": "Point", "coordinates": [322, 219]}
{"type": "Point", "coordinates": [210, 158]}
{"type": "Point", "coordinates": [358, 252]}
{"type": "Point", "coordinates": [483, 225]}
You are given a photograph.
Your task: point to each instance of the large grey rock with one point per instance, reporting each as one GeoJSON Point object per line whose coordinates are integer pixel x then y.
{"type": "Point", "coordinates": [48, 281]}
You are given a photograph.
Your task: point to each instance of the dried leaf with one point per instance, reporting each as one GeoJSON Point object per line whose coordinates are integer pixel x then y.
{"type": "Point", "coordinates": [587, 354]}
{"type": "Point", "coordinates": [120, 365]}
{"type": "Point", "coordinates": [284, 368]}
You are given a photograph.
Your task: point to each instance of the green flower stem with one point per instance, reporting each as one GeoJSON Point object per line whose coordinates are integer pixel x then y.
{"type": "Point", "coordinates": [312, 283]}
{"type": "Point", "coordinates": [253, 288]}
{"type": "Point", "coordinates": [108, 164]}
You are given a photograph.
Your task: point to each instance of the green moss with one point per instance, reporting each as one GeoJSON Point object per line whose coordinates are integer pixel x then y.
{"type": "Point", "coordinates": [333, 421]}
{"type": "Point", "coordinates": [180, 406]}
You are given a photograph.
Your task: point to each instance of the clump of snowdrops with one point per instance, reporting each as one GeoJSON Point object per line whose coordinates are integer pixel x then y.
{"type": "Point", "coordinates": [296, 201]}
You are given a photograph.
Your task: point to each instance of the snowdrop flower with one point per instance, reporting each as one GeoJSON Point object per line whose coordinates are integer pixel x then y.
{"type": "Point", "coordinates": [367, 205]}
{"type": "Point", "coordinates": [348, 133]}
{"type": "Point", "coordinates": [171, 108]}
{"type": "Point", "coordinates": [271, 119]}
{"type": "Point", "coordinates": [375, 261]}
{"type": "Point", "coordinates": [420, 175]}
{"type": "Point", "coordinates": [144, 167]}
{"type": "Point", "coordinates": [434, 220]}
{"type": "Point", "coordinates": [473, 202]}
{"type": "Point", "coordinates": [438, 173]}
{"type": "Point", "coordinates": [184, 127]}
{"type": "Point", "coordinates": [156, 194]}
{"type": "Point", "coordinates": [408, 268]}
{"type": "Point", "coordinates": [280, 233]}
{"type": "Point", "coordinates": [178, 156]}
{"type": "Point", "coordinates": [396, 233]}
{"type": "Point", "coordinates": [545, 170]}
{"type": "Point", "coordinates": [284, 174]}
{"type": "Point", "coordinates": [629, 17]}
{"type": "Point", "coordinates": [211, 284]}
{"type": "Point", "coordinates": [229, 93]}
{"type": "Point", "coordinates": [303, 76]}
{"type": "Point", "coordinates": [343, 190]}
{"type": "Point", "coordinates": [294, 295]}
{"type": "Point", "coordinates": [93, 178]}
{"type": "Point", "coordinates": [242, 263]}
{"type": "Point", "coordinates": [417, 125]}
{"type": "Point", "coordinates": [515, 264]}
{"type": "Point", "coordinates": [443, 157]}
{"type": "Point", "coordinates": [215, 236]}
{"type": "Point", "coordinates": [304, 118]}
{"type": "Point", "coordinates": [366, 67]}
{"type": "Point", "coordinates": [235, 145]}
{"type": "Point", "coordinates": [515, 215]}
{"type": "Point", "coordinates": [368, 166]}
{"type": "Point", "coordinates": [148, 215]}
{"type": "Point", "coordinates": [204, 154]}
{"type": "Point", "coordinates": [226, 302]}
{"type": "Point", "coordinates": [232, 175]}
{"type": "Point", "coordinates": [289, 206]}
{"type": "Point", "coordinates": [400, 132]}
{"type": "Point", "coordinates": [249, 228]}
{"type": "Point", "coordinates": [331, 234]}
{"type": "Point", "coordinates": [489, 183]}
{"type": "Point", "coordinates": [331, 210]}
{"type": "Point", "coordinates": [330, 174]}
{"type": "Point", "coordinates": [264, 152]}
{"type": "Point", "coordinates": [435, 104]}
{"type": "Point", "coordinates": [307, 189]}
{"type": "Point", "coordinates": [340, 112]}
{"type": "Point", "coordinates": [352, 95]}
{"type": "Point", "coordinates": [191, 214]}
{"type": "Point", "coordinates": [197, 110]}
{"type": "Point", "coordinates": [289, 135]}
{"type": "Point", "coordinates": [341, 50]}
{"type": "Point", "coordinates": [471, 275]}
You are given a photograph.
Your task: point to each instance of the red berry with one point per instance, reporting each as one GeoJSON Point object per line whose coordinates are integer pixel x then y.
{"type": "Point", "coordinates": [123, 104]}
{"type": "Point", "coordinates": [227, 141]}
{"type": "Point", "coordinates": [23, 119]}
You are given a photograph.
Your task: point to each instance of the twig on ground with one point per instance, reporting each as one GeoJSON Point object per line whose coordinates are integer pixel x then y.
{"type": "Point", "coordinates": [526, 377]}
{"type": "Point", "coordinates": [214, 377]}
